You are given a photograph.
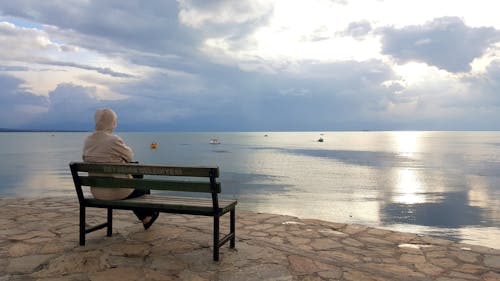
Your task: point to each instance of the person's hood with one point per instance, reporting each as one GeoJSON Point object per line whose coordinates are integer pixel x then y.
{"type": "Point", "coordinates": [105, 120]}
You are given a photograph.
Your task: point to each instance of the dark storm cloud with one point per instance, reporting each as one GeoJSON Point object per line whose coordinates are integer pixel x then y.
{"type": "Point", "coordinates": [17, 103]}
{"type": "Point", "coordinates": [228, 99]}
{"type": "Point", "coordinates": [446, 43]}
{"type": "Point", "coordinates": [236, 100]}
{"type": "Point", "coordinates": [70, 107]}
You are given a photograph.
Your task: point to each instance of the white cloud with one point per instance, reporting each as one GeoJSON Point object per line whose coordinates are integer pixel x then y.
{"type": "Point", "coordinates": [46, 64]}
{"type": "Point", "coordinates": [23, 43]}
{"type": "Point", "coordinates": [196, 13]}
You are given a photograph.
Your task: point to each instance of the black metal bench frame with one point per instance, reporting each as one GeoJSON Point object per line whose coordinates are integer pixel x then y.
{"type": "Point", "coordinates": [84, 174]}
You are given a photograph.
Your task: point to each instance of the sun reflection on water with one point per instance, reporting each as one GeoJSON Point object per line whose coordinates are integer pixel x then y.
{"type": "Point", "coordinates": [407, 143]}
{"type": "Point", "coordinates": [408, 188]}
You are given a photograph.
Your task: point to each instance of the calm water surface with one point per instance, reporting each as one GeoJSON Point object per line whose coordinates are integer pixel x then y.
{"type": "Point", "coordinates": [439, 183]}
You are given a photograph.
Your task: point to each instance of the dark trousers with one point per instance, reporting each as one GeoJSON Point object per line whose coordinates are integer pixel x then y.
{"type": "Point", "coordinates": [139, 212]}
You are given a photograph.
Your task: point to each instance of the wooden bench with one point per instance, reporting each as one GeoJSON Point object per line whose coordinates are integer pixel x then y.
{"type": "Point", "coordinates": [155, 177]}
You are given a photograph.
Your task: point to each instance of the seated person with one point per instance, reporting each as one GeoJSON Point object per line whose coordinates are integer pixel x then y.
{"type": "Point", "coordinates": [103, 146]}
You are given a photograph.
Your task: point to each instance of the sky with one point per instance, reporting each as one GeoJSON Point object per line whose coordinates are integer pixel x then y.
{"type": "Point", "coordinates": [251, 65]}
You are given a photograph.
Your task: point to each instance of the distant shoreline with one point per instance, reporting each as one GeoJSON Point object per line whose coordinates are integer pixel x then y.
{"type": "Point", "coordinates": [5, 130]}
{"type": "Point", "coordinates": [40, 131]}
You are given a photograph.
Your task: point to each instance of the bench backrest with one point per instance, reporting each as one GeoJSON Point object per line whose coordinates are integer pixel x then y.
{"type": "Point", "coordinates": [173, 178]}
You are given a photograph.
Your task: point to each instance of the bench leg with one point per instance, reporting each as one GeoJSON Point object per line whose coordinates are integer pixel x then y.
{"type": "Point", "coordinates": [110, 222]}
{"type": "Point", "coordinates": [216, 238]}
{"type": "Point", "coordinates": [232, 228]}
{"type": "Point", "coordinates": [82, 225]}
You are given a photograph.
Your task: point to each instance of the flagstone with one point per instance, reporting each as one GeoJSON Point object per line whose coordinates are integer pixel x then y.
{"type": "Point", "coordinates": [325, 244]}
{"type": "Point", "coordinates": [471, 268]}
{"type": "Point", "coordinates": [492, 261]}
{"type": "Point", "coordinates": [400, 270]}
{"type": "Point", "coordinates": [444, 262]}
{"type": "Point", "coordinates": [118, 274]}
{"type": "Point", "coordinates": [436, 254]}
{"type": "Point", "coordinates": [298, 240]}
{"type": "Point", "coordinates": [129, 249]}
{"type": "Point", "coordinates": [379, 232]}
{"type": "Point", "coordinates": [167, 264]}
{"type": "Point", "coordinates": [465, 256]}
{"type": "Point", "coordinates": [407, 258]}
{"type": "Point", "coordinates": [354, 275]}
{"type": "Point", "coordinates": [22, 249]}
{"type": "Point", "coordinates": [342, 256]}
{"type": "Point", "coordinates": [352, 242]}
{"type": "Point", "coordinates": [26, 264]}
{"type": "Point", "coordinates": [429, 269]}
{"type": "Point", "coordinates": [353, 229]}
{"type": "Point", "coordinates": [330, 232]}
{"type": "Point", "coordinates": [461, 275]}
{"type": "Point", "coordinates": [401, 237]}
{"type": "Point", "coordinates": [374, 240]}
{"type": "Point", "coordinates": [333, 273]}
{"type": "Point", "coordinates": [157, 233]}
{"type": "Point", "coordinates": [491, 276]}
{"type": "Point", "coordinates": [73, 263]}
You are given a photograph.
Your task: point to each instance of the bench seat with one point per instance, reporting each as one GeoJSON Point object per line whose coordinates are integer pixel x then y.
{"type": "Point", "coordinates": [167, 204]}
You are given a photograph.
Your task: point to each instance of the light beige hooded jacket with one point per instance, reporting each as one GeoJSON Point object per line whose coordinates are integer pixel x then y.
{"type": "Point", "coordinates": [105, 147]}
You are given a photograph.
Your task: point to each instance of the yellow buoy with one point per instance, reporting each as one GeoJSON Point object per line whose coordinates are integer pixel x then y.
{"type": "Point", "coordinates": [153, 145]}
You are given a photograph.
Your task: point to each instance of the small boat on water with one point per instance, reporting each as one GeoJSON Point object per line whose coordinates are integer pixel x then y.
{"type": "Point", "coordinates": [214, 141]}
{"type": "Point", "coordinates": [153, 145]}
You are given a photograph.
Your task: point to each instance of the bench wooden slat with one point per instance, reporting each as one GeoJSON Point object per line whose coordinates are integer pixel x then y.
{"type": "Point", "coordinates": [179, 200]}
{"type": "Point", "coordinates": [174, 200]}
{"type": "Point", "coordinates": [168, 203]}
{"type": "Point", "coordinates": [136, 169]}
{"type": "Point", "coordinates": [186, 186]}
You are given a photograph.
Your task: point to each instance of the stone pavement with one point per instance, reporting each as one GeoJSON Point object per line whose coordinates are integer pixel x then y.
{"type": "Point", "coordinates": [39, 241]}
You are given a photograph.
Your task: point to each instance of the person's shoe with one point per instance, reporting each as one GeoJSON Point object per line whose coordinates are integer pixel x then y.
{"type": "Point", "coordinates": [151, 221]}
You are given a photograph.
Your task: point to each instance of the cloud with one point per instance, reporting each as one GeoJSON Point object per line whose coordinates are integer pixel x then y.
{"type": "Point", "coordinates": [43, 61]}
{"type": "Point", "coordinates": [198, 13]}
{"type": "Point", "coordinates": [227, 99]}
{"type": "Point", "coordinates": [18, 106]}
{"type": "Point", "coordinates": [484, 88]}
{"type": "Point", "coordinates": [446, 43]}
{"type": "Point", "coordinates": [68, 107]}
{"type": "Point", "coordinates": [13, 68]}
{"type": "Point", "coordinates": [107, 25]}
{"type": "Point", "coordinates": [102, 70]}
{"type": "Point", "coordinates": [23, 43]}
{"type": "Point", "coordinates": [358, 29]}
{"type": "Point", "coordinates": [446, 101]}
{"type": "Point", "coordinates": [293, 101]}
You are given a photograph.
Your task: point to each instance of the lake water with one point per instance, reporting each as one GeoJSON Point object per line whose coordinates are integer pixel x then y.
{"type": "Point", "coordinates": [437, 183]}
